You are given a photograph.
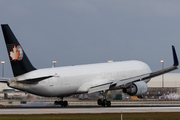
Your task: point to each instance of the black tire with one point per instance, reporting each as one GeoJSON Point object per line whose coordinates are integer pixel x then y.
{"type": "Point", "coordinates": [99, 102]}
{"type": "Point", "coordinates": [61, 103]}
{"type": "Point", "coordinates": [105, 102]}
{"type": "Point", "coordinates": [108, 103]}
{"type": "Point", "coordinates": [65, 103]}
{"type": "Point", "coordinates": [103, 105]}
{"type": "Point", "coordinates": [56, 103]}
{"type": "Point", "coordinates": [141, 96]}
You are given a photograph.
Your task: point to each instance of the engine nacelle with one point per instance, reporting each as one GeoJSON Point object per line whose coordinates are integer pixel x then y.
{"type": "Point", "coordinates": [136, 89]}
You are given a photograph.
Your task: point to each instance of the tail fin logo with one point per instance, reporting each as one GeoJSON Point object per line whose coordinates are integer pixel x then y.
{"type": "Point", "coordinates": [16, 53]}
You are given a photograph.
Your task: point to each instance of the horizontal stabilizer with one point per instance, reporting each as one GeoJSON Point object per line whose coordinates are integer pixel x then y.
{"type": "Point", "coordinates": [34, 80]}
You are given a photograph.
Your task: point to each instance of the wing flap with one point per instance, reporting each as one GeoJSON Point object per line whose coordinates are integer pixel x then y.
{"type": "Point", "coordinates": [99, 87]}
{"type": "Point", "coordinates": [128, 80]}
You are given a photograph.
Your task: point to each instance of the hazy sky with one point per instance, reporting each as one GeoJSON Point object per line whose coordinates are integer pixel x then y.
{"type": "Point", "coordinates": [76, 32]}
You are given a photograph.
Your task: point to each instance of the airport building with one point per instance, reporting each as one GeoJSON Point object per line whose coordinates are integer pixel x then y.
{"type": "Point", "coordinates": [163, 84]}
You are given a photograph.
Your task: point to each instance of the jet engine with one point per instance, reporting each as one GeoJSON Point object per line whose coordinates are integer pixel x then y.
{"type": "Point", "coordinates": [136, 89]}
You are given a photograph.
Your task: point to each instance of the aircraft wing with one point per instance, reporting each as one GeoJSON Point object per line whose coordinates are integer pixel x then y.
{"type": "Point", "coordinates": [4, 80]}
{"type": "Point", "coordinates": [114, 84]}
{"type": "Point", "coordinates": [166, 70]}
{"type": "Point", "coordinates": [151, 75]}
{"type": "Point", "coordinates": [121, 83]}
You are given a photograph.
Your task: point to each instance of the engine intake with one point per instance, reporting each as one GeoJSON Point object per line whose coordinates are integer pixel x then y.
{"type": "Point", "coordinates": [136, 89]}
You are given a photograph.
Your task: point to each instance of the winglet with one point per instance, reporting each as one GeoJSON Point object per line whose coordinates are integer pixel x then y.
{"type": "Point", "coordinates": [176, 62]}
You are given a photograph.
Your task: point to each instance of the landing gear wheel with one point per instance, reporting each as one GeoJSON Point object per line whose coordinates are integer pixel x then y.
{"type": "Point", "coordinates": [61, 103]}
{"type": "Point", "coordinates": [141, 96]}
{"type": "Point", "coordinates": [99, 102]}
{"type": "Point", "coordinates": [104, 103]}
{"type": "Point", "coordinates": [108, 103]}
{"type": "Point", "coordinates": [65, 103]}
{"type": "Point", "coordinates": [56, 103]}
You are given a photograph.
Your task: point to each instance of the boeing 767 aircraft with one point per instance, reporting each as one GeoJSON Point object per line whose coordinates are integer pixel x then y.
{"type": "Point", "coordinates": [131, 76]}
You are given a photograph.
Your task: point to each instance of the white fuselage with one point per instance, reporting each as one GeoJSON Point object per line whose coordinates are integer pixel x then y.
{"type": "Point", "coordinates": [78, 79]}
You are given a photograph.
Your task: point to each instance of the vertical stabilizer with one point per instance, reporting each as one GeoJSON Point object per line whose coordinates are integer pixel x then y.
{"type": "Point", "coordinates": [19, 61]}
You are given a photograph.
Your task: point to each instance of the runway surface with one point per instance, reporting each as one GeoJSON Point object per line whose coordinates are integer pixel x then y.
{"type": "Point", "coordinates": [73, 110]}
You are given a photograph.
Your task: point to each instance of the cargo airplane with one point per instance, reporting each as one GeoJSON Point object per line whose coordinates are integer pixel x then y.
{"type": "Point", "coordinates": [131, 76]}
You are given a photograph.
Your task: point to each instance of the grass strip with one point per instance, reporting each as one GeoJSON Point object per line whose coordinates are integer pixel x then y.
{"type": "Point", "coordinates": [104, 116]}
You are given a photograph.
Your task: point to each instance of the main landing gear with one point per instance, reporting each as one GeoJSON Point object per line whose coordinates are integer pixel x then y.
{"type": "Point", "coordinates": [61, 102]}
{"type": "Point", "coordinates": [103, 102]}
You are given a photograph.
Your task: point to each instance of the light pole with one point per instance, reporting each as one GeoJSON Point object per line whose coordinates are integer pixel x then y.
{"type": "Point", "coordinates": [54, 62]}
{"type": "Point", "coordinates": [2, 62]}
{"type": "Point", "coordinates": [162, 61]}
